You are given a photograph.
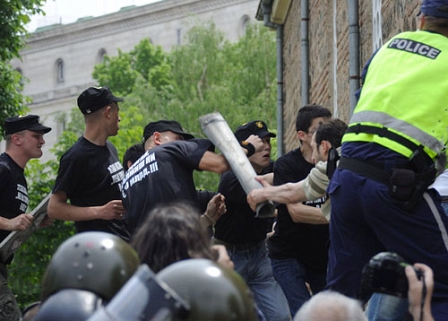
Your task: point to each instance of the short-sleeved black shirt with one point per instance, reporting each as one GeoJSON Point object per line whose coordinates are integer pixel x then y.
{"type": "Point", "coordinates": [13, 190]}
{"type": "Point", "coordinates": [239, 225]}
{"type": "Point", "coordinates": [164, 174]}
{"type": "Point", "coordinates": [306, 242]}
{"type": "Point", "coordinates": [90, 175]}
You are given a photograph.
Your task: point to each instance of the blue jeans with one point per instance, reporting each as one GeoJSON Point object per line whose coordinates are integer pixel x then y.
{"type": "Point", "coordinates": [255, 268]}
{"type": "Point", "coordinates": [292, 275]}
{"type": "Point", "coordinates": [383, 307]}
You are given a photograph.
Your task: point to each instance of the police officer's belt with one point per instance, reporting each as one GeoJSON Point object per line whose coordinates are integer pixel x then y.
{"type": "Point", "coordinates": [365, 169]}
{"type": "Point", "coordinates": [385, 132]}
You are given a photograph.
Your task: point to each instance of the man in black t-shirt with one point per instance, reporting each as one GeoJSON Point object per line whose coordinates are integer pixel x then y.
{"type": "Point", "coordinates": [164, 174]}
{"type": "Point", "coordinates": [24, 140]}
{"type": "Point", "coordinates": [90, 172]}
{"type": "Point", "coordinates": [298, 248]}
{"type": "Point", "coordinates": [244, 235]}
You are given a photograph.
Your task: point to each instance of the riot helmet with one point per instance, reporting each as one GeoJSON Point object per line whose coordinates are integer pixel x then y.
{"type": "Point", "coordinates": [212, 292]}
{"type": "Point", "coordinates": [69, 305]}
{"type": "Point", "coordinates": [98, 262]}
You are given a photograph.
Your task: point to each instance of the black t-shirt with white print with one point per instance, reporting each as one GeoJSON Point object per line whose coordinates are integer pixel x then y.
{"type": "Point", "coordinates": [13, 190]}
{"type": "Point", "coordinates": [91, 175]}
{"type": "Point", "coordinates": [164, 174]}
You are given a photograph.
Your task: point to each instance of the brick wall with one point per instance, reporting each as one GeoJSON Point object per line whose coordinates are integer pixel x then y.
{"type": "Point", "coordinates": [328, 88]}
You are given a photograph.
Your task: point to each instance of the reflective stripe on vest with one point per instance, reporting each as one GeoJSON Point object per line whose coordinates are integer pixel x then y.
{"type": "Point", "coordinates": [390, 97]}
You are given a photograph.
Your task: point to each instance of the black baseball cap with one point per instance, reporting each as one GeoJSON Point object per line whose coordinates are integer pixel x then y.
{"type": "Point", "coordinates": [256, 127]}
{"type": "Point", "coordinates": [164, 126]}
{"type": "Point", "coordinates": [95, 98]}
{"type": "Point", "coordinates": [18, 123]}
{"type": "Point", "coordinates": [435, 8]}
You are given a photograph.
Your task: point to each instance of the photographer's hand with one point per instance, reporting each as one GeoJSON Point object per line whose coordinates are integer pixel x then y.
{"type": "Point", "coordinates": [420, 291]}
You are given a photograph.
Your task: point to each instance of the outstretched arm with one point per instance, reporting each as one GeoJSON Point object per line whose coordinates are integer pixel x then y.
{"type": "Point", "coordinates": [217, 163]}
{"type": "Point", "coordinates": [285, 194]}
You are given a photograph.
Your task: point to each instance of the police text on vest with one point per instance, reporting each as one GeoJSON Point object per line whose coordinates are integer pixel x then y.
{"type": "Point", "coordinates": [415, 47]}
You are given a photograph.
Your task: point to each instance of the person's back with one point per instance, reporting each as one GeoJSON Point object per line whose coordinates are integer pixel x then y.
{"type": "Point", "coordinates": [163, 174]}
{"type": "Point", "coordinates": [390, 155]}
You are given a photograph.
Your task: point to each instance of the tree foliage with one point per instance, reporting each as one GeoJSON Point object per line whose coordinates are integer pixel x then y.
{"type": "Point", "coordinates": [121, 72]}
{"type": "Point", "coordinates": [14, 15]}
{"type": "Point", "coordinates": [212, 74]}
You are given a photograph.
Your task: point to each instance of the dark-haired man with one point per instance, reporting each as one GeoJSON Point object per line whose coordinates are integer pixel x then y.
{"type": "Point", "coordinates": [90, 172]}
{"type": "Point", "coordinates": [24, 140]}
{"type": "Point", "coordinates": [132, 154]}
{"type": "Point", "coordinates": [298, 248]}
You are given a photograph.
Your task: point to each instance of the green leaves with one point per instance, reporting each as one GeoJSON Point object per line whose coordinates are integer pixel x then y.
{"type": "Point", "coordinates": [121, 72]}
{"type": "Point", "coordinates": [14, 14]}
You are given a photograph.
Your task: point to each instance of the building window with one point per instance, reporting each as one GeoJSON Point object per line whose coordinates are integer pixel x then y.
{"type": "Point", "coordinates": [60, 74]}
{"type": "Point", "coordinates": [60, 127]}
{"type": "Point", "coordinates": [244, 22]}
{"type": "Point", "coordinates": [100, 56]}
{"type": "Point", "coordinates": [179, 36]}
{"type": "Point", "coordinates": [377, 32]}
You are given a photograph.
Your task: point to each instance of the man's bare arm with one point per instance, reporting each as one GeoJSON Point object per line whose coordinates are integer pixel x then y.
{"type": "Point", "coordinates": [284, 194]}
{"type": "Point", "coordinates": [58, 208]}
{"type": "Point", "coordinates": [301, 213]}
{"type": "Point", "coordinates": [18, 223]}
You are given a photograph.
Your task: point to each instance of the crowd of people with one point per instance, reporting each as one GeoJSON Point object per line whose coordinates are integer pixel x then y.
{"type": "Point", "coordinates": [347, 193]}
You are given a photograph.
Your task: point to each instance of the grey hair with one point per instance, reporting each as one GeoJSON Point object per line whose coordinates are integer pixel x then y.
{"type": "Point", "coordinates": [330, 306]}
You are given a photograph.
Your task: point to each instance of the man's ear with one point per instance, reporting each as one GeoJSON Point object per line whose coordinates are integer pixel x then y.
{"type": "Point", "coordinates": [106, 111]}
{"type": "Point", "coordinates": [156, 138]}
{"type": "Point", "coordinates": [325, 145]}
{"type": "Point", "coordinates": [302, 135]}
{"type": "Point", "coordinates": [421, 21]}
{"type": "Point", "coordinates": [16, 139]}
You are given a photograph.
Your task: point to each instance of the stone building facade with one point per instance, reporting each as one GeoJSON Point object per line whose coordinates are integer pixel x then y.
{"type": "Point", "coordinates": [330, 32]}
{"type": "Point", "coordinates": [59, 59]}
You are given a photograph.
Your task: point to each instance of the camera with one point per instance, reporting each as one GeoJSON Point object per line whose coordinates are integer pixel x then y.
{"type": "Point", "coordinates": [385, 274]}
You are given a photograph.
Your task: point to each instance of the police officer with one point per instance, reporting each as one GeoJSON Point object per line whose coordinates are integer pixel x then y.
{"type": "Point", "coordinates": [390, 155]}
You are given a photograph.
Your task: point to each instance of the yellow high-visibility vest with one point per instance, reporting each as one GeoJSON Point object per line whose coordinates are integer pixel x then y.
{"type": "Point", "coordinates": [406, 90]}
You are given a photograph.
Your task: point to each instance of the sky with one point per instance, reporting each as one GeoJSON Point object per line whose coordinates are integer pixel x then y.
{"type": "Point", "coordinates": [68, 11]}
